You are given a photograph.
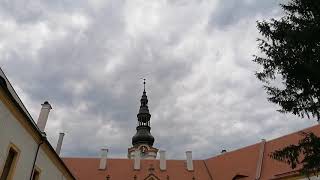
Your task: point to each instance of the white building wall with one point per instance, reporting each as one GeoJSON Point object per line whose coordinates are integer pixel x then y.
{"type": "Point", "coordinates": [11, 131]}
{"type": "Point", "coordinates": [48, 170]}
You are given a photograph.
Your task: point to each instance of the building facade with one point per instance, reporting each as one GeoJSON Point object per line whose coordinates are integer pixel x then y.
{"type": "Point", "coordinates": [25, 153]}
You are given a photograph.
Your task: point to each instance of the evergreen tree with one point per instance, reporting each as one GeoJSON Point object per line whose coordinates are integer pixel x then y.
{"type": "Point", "coordinates": [290, 63]}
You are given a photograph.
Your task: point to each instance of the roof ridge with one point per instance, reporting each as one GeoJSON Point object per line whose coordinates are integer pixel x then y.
{"type": "Point", "coordinates": [295, 132]}
{"type": "Point", "coordinates": [267, 141]}
{"type": "Point", "coordinates": [228, 152]}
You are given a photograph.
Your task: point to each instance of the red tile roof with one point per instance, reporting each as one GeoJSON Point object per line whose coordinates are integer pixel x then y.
{"type": "Point", "coordinates": [244, 161]}
{"type": "Point", "coordinates": [273, 168]}
{"type": "Point", "coordinates": [239, 163]}
{"type": "Point", "coordinates": [122, 169]}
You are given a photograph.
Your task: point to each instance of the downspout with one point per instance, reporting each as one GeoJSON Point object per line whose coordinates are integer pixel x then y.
{"type": "Point", "coordinates": [36, 155]}
{"type": "Point", "coordinates": [260, 160]}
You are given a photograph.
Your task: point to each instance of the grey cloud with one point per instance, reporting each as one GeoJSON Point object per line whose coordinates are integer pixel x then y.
{"type": "Point", "coordinates": [229, 12]}
{"type": "Point", "coordinates": [89, 60]}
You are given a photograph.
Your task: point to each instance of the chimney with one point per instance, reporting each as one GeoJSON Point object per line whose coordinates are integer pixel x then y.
{"type": "Point", "coordinates": [223, 151]}
{"type": "Point", "coordinates": [163, 164]}
{"type": "Point", "coordinates": [189, 161]}
{"type": "Point", "coordinates": [137, 160]}
{"type": "Point", "coordinates": [103, 159]}
{"type": "Point", "coordinates": [43, 116]}
{"type": "Point", "coordinates": [260, 160]}
{"type": "Point", "coordinates": [59, 144]}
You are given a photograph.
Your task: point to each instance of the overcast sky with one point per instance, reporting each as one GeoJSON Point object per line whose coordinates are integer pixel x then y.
{"type": "Point", "coordinates": [87, 58]}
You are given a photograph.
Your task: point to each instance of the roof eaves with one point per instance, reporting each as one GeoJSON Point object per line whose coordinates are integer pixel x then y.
{"type": "Point", "coordinates": [292, 173]}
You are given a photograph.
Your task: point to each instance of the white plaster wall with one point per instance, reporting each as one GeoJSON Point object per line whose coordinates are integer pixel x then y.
{"type": "Point", "coordinates": [132, 154]}
{"type": "Point", "coordinates": [150, 155]}
{"type": "Point", "coordinates": [48, 170]}
{"type": "Point", "coordinates": [11, 131]}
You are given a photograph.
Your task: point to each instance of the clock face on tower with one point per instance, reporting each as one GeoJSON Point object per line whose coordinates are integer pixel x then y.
{"type": "Point", "coordinates": [143, 149]}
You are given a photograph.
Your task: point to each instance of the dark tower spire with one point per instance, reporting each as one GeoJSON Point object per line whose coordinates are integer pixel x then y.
{"type": "Point", "coordinates": [144, 85]}
{"type": "Point", "coordinates": [143, 135]}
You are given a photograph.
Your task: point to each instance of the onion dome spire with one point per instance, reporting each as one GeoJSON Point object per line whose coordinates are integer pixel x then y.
{"type": "Point", "coordinates": [143, 135]}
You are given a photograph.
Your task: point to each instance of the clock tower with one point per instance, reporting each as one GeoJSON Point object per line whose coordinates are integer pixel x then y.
{"type": "Point", "coordinates": [142, 141]}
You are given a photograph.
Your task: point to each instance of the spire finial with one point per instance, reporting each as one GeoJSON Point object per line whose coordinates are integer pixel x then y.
{"type": "Point", "coordinates": [144, 84]}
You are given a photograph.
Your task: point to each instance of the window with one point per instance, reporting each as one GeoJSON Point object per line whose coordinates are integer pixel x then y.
{"type": "Point", "coordinates": [36, 174]}
{"type": "Point", "coordinates": [9, 165]}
